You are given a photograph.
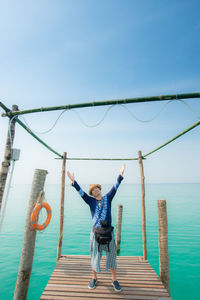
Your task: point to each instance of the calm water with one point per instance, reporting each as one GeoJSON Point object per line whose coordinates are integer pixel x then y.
{"type": "Point", "coordinates": [183, 208]}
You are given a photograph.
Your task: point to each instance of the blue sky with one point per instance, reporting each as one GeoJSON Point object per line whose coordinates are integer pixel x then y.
{"type": "Point", "coordinates": [64, 52]}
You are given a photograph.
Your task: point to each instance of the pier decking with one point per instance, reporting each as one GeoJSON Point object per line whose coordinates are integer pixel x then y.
{"type": "Point", "coordinates": [72, 273]}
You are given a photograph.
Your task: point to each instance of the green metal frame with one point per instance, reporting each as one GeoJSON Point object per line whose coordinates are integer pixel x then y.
{"type": "Point", "coordinates": [11, 114]}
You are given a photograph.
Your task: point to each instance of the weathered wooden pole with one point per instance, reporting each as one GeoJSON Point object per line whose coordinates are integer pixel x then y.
{"type": "Point", "coordinates": [163, 244]}
{"type": "Point", "coordinates": [24, 273]}
{"type": "Point", "coordinates": [119, 226]}
{"type": "Point", "coordinates": [62, 198]}
{"type": "Point", "coordinates": [143, 206]}
{"type": "Point", "coordinates": [7, 156]}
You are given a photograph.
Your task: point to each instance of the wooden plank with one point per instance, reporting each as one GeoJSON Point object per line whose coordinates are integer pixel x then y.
{"type": "Point", "coordinates": [139, 277]}
{"type": "Point", "coordinates": [103, 256]}
{"type": "Point", "coordinates": [122, 281]}
{"type": "Point", "coordinates": [62, 271]}
{"type": "Point", "coordinates": [135, 262]}
{"type": "Point", "coordinates": [51, 297]}
{"type": "Point", "coordinates": [78, 277]}
{"type": "Point", "coordinates": [103, 270]}
{"type": "Point", "coordinates": [102, 289]}
{"type": "Point", "coordinates": [108, 284]}
{"type": "Point", "coordinates": [88, 264]}
{"type": "Point", "coordinates": [126, 279]}
{"type": "Point", "coordinates": [107, 281]}
{"type": "Point", "coordinates": [122, 263]}
{"type": "Point", "coordinates": [102, 296]}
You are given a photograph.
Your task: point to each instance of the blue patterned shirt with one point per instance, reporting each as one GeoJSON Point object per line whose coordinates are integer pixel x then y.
{"type": "Point", "coordinates": [100, 209]}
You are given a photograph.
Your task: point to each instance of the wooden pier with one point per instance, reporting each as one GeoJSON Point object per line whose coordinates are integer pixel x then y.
{"type": "Point", "coordinates": [72, 273]}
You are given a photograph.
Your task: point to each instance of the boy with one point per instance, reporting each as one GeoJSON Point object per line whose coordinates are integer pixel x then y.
{"type": "Point", "coordinates": [100, 207]}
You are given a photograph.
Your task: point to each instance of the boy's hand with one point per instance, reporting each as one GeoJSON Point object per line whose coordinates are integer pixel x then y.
{"type": "Point", "coordinates": [122, 169]}
{"type": "Point", "coordinates": [71, 176]}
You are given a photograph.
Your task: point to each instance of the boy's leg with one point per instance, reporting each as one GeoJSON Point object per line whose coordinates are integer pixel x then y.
{"type": "Point", "coordinates": [95, 256]}
{"type": "Point", "coordinates": [94, 274]}
{"type": "Point", "coordinates": [111, 263]}
{"type": "Point", "coordinates": [95, 261]}
{"type": "Point", "coordinates": [111, 256]}
{"type": "Point", "coordinates": [114, 274]}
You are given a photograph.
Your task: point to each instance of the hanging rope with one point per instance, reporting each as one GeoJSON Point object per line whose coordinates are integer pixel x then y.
{"type": "Point", "coordinates": [10, 124]}
{"type": "Point", "coordinates": [161, 110]}
{"type": "Point", "coordinates": [48, 130]}
{"type": "Point", "coordinates": [6, 195]}
{"type": "Point", "coordinates": [106, 113]}
{"type": "Point", "coordinates": [96, 124]}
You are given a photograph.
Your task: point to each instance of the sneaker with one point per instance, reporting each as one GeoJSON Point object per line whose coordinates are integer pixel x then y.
{"type": "Point", "coordinates": [116, 286]}
{"type": "Point", "coordinates": [92, 283]}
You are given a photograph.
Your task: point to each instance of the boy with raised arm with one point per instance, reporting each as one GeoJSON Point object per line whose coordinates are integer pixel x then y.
{"type": "Point", "coordinates": [102, 235]}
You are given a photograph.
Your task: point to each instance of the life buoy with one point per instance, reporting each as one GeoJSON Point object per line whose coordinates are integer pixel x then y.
{"type": "Point", "coordinates": [34, 216]}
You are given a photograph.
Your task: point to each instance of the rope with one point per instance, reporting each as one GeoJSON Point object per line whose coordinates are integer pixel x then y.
{"type": "Point", "coordinates": [161, 110]}
{"type": "Point", "coordinates": [7, 194]}
{"type": "Point", "coordinates": [48, 130]}
{"type": "Point", "coordinates": [106, 113]}
{"type": "Point", "coordinates": [99, 122]}
{"type": "Point", "coordinates": [78, 115]}
{"type": "Point", "coordinates": [190, 108]}
{"type": "Point", "coordinates": [10, 123]}
{"type": "Point", "coordinates": [145, 121]}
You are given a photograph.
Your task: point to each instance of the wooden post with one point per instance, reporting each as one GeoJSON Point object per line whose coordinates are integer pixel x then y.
{"type": "Point", "coordinates": [163, 244]}
{"type": "Point", "coordinates": [62, 198]}
{"type": "Point", "coordinates": [24, 273]}
{"type": "Point", "coordinates": [7, 156]}
{"type": "Point", "coordinates": [119, 226]}
{"type": "Point", "coordinates": [143, 207]}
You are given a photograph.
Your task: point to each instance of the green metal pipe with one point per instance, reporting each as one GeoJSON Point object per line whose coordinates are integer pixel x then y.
{"type": "Point", "coordinates": [4, 107]}
{"type": "Point", "coordinates": [106, 102]}
{"type": "Point", "coordinates": [28, 130]}
{"type": "Point", "coordinates": [174, 138]}
{"type": "Point", "coordinates": [144, 156]}
{"type": "Point", "coordinates": [37, 138]}
{"type": "Point", "coordinates": [79, 158]}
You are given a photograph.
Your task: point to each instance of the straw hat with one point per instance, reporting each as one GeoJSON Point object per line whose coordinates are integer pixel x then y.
{"type": "Point", "coordinates": [92, 186]}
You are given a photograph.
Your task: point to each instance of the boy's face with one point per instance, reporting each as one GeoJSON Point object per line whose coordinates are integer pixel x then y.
{"type": "Point", "coordinates": [96, 192]}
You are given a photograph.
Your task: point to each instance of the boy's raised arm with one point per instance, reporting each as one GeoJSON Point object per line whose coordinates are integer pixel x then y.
{"type": "Point", "coordinates": [71, 176]}
{"type": "Point", "coordinates": [85, 196]}
{"type": "Point", "coordinates": [113, 190]}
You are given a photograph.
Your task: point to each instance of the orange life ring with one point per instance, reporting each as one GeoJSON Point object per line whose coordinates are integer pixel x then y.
{"type": "Point", "coordinates": [34, 216]}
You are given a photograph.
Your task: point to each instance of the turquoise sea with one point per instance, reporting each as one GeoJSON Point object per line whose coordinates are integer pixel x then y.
{"type": "Point", "coordinates": [183, 209]}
